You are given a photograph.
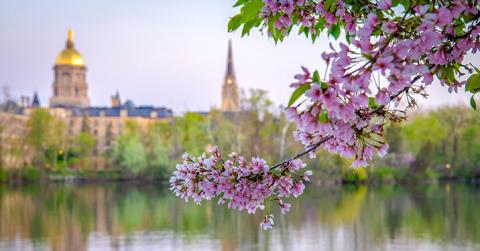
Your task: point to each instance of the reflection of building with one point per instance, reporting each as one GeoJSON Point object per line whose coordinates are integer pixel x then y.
{"type": "Point", "coordinates": [230, 97]}
{"type": "Point", "coordinates": [70, 103]}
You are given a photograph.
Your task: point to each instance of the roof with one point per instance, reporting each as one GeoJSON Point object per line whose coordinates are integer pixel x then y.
{"type": "Point", "coordinates": [69, 55]}
{"type": "Point", "coordinates": [11, 106]}
{"type": "Point", "coordinates": [132, 111]}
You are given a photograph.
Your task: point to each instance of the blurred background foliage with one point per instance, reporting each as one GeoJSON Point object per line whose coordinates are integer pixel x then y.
{"type": "Point", "coordinates": [441, 143]}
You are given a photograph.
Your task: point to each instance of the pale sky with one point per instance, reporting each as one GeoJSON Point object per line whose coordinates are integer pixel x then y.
{"type": "Point", "coordinates": [160, 52]}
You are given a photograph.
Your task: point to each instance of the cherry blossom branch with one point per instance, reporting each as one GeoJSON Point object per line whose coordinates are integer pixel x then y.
{"type": "Point", "coordinates": [307, 150]}
{"type": "Point", "coordinates": [314, 146]}
{"type": "Point", "coordinates": [403, 41]}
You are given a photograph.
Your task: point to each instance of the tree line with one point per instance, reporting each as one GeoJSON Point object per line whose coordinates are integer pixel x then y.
{"type": "Point", "coordinates": [437, 143]}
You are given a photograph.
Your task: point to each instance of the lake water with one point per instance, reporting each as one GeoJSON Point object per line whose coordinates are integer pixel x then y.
{"type": "Point", "coordinates": [128, 217]}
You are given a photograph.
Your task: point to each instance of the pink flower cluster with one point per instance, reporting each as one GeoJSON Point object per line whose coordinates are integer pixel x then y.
{"type": "Point", "coordinates": [387, 57]}
{"type": "Point", "coordinates": [394, 50]}
{"type": "Point", "coordinates": [240, 183]}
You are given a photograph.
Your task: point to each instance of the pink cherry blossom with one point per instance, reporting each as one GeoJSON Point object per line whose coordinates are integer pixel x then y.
{"type": "Point", "coordinates": [385, 4]}
{"type": "Point", "coordinates": [372, 81]}
{"type": "Point", "coordinates": [443, 16]}
{"type": "Point", "coordinates": [267, 222]}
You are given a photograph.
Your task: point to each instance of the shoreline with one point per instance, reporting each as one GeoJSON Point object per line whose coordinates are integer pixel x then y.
{"type": "Point", "coordinates": [72, 180]}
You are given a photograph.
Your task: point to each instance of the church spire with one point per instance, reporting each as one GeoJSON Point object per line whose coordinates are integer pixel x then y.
{"type": "Point", "coordinates": [230, 97]}
{"type": "Point", "coordinates": [230, 71]}
{"type": "Point", "coordinates": [36, 100]}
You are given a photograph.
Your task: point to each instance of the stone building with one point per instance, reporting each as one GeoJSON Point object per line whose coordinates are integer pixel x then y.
{"type": "Point", "coordinates": [14, 151]}
{"type": "Point", "coordinates": [230, 95]}
{"type": "Point", "coordinates": [70, 103]}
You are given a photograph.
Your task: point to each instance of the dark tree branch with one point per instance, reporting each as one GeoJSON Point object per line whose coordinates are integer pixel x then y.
{"type": "Point", "coordinates": [307, 150]}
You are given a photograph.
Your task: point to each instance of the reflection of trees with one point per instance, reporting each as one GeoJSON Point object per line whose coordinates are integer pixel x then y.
{"type": "Point", "coordinates": [420, 201]}
{"type": "Point", "coordinates": [64, 217]}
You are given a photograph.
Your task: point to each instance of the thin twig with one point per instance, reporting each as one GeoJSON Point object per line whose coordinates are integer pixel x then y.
{"type": "Point", "coordinates": [307, 150]}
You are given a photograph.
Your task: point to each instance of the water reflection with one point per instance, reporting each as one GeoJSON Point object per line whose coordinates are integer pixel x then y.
{"type": "Point", "coordinates": [127, 217]}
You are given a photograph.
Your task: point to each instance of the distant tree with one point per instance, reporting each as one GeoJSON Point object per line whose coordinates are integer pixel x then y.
{"type": "Point", "coordinates": [109, 142]}
{"type": "Point", "coordinates": [454, 119]}
{"type": "Point", "coordinates": [109, 138]}
{"type": "Point", "coordinates": [85, 123]}
{"type": "Point", "coordinates": [423, 129]}
{"type": "Point", "coordinates": [1, 145]}
{"type": "Point", "coordinates": [161, 147]}
{"type": "Point", "coordinates": [190, 132]}
{"type": "Point", "coordinates": [394, 138]}
{"type": "Point", "coordinates": [259, 128]}
{"type": "Point", "coordinates": [83, 145]}
{"type": "Point", "coordinates": [223, 131]}
{"type": "Point", "coordinates": [129, 151]}
{"type": "Point", "coordinates": [46, 135]}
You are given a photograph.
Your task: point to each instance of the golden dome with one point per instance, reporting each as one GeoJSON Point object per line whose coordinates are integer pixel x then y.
{"type": "Point", "coordinates": [69, 56]}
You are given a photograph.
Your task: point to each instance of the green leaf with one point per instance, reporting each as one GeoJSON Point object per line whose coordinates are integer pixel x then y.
{"type": "Point", "coordinates": [328, 4]}
{"type": "Point", "coordinates": [297, 93]}
{"type": "Point", "coordinates": [459, 29]}
{"type": "Point", "coordinates": [324, 86]}
{"type": "Point", "coordinates": [251, 9]}
{"type": "Point", "coordinates": [367, 56]}
{"type": "Point", "coordinates": [239, 2]}
{"type": "Point", "coordinates": [473, 84]}
{"type": "Point", "coordinates": [316, 77]}
{"type": "Point", "coordinates": [323, 118]}
{"type": "Point", "coordinates": [371, 103]}
{"type": "Point", "coordinates": [247, 27]}
{"type": "Point", "coordinates": [473, 103]}
{"type": "Point", "coordinates": [320, 25]}
{"type": "Point", "coordinates": [450, 74]}
{"type": "Point", "coordinates": [235, 22]}
{"type": "Point", "coordinates": [248, 16]}
{"type": "Point", "coordinates": [335, 31]}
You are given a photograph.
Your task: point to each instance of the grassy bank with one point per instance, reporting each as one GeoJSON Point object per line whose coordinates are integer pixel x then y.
{"type": "Point", "coordinates": [370, 175]}
{"type": "Point", "coordinates": [35, 175]}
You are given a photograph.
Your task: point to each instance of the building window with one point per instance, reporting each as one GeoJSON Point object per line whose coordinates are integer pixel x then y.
{"type": "Point", "coordinates": [55, 91]}
{"type": "Point", "coordinates": [77, 92]}
{"type": "Point", "coordinates": [66, 76]}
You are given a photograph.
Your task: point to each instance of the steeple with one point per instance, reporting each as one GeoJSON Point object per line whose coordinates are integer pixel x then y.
{"type": "Point", "coordinates": [230, 71]}
{"type": "Point", "coordinates": [36, 100]}
{"type": "Point", "coordinates": [230, 97]}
